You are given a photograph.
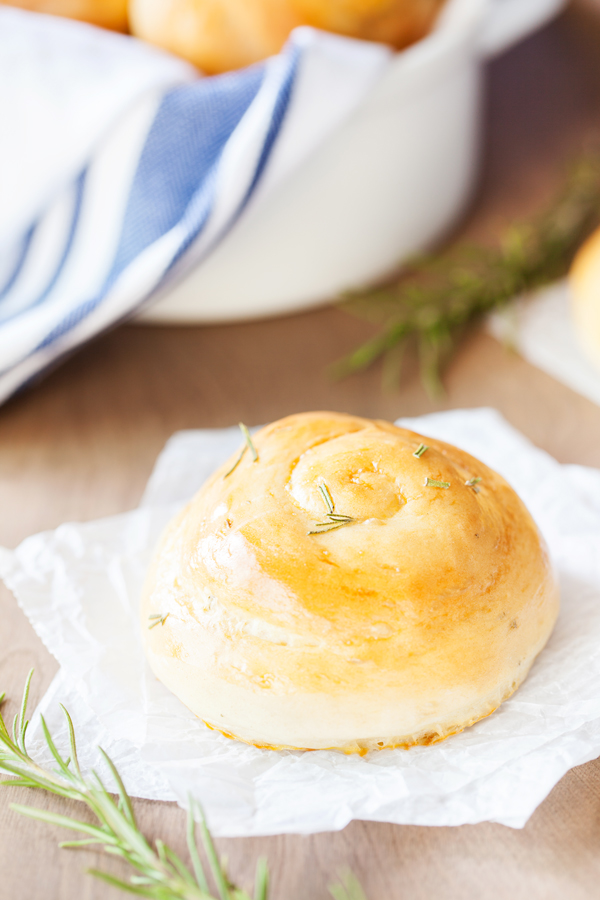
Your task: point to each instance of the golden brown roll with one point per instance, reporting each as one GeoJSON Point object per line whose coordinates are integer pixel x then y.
{"type": "Point", "coordinates": [348, 589]}
{"type": "Point", "coordinates": [585, 295]}
{"type": "Point", "coordinates": [105, 13]}
{"type": "Point", "coordinates": [218, 35]}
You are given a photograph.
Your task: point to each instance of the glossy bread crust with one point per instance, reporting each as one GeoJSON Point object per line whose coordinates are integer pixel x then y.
{"type": "Point", "coordinates": [404, 625]}
{"type": "Point", "coordinates": [104, 13]}
{"type": "Point", "coordinates": [218, 35]}
{"type": "Point", "coordinates": [585, 296]}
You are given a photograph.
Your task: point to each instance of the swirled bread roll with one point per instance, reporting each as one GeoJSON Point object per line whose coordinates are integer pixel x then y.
{"type": "Point", "coordinates": [584, 281]}
{"type": "Point", "coordinates": [105, 13]}
{"type": "Point", "coordinates": [348, 590]}
{"type": "Point", "coordinates": [218, 35]}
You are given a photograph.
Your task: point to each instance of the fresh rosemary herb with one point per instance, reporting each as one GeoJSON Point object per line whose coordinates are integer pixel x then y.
{"type": "Point", "coordinates": [236, 464]}
{"type": "Point", "coordinates": [473, 482]}
{"type": "Point", "coordinates": [435, 297]}
{"type": "Point", "coordinates": [328, 527]}
{"type": "Point", "coordinates": [332, 523]}
{"type": "Point", "coordinates": [162, 874]}
{"type": "Point", "coordinates": [159, 619]}
{"type": "Point", "coordinates": [420, 450]}
{"type": "Point", "coordinates": [327, 498]}
{"type": "Point", "coordinates": [349, 889]}
{"type": "Point", "coordinates": [334, 520]}
{"type": "Point", "coordinates": [431, 482]}
{"type": "Point", "coordinates": [249, 445]}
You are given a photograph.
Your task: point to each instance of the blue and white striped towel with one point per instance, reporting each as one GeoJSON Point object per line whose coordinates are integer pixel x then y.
{"type": "Point", "coordinates": [121, 168]}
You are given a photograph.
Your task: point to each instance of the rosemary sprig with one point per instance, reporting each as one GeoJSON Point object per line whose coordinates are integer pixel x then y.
{"type": "Point", "coordinates": [436, 296]}
{"type": "Point", "coordinates": [323, 527]}
{"type": "Point", "coordinates": [159, 619]}
{"type": "Point", "coordinates": [249, 445]}
{"type": "Point", "coordinates": [473, 482]}
{"type": "Point", "coordinates": [420, 450]}
{"type": "Point", "coordinates": [431, 482]}
{"type": "Point", "coordinates": [327, 498]}
{"type": "Point", "coordinates": [348, 889]}
{"type": "Point", "coordinates": [161, 873]}
{"type": "Point", "coordinates": [334, 520]}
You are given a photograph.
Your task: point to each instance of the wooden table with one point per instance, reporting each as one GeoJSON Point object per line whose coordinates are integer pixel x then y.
{"type": "Point", "coordinates": [82, 444]}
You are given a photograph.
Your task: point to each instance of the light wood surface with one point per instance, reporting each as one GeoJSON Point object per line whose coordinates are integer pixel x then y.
{"type": "Point", "coordinates": [82, 444]}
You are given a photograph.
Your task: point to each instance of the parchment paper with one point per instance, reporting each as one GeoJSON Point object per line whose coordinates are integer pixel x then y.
{"type": "Point", "coordinates": [540, 327]}
{"type": "Point", "coordinates": [80, 585]}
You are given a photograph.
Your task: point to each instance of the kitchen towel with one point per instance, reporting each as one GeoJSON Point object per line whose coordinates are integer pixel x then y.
{"type": "Point", "coordinates": [121, 167]}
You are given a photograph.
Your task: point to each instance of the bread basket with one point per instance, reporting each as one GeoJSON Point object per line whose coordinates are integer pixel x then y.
{"type": "Point", "coordinates": [388, 183]}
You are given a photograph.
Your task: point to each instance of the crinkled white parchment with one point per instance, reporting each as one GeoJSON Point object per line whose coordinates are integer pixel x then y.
{"type": "Point", "coordinates": [540, 327]}
{"type": "Point", "coordinates": [80, 587]}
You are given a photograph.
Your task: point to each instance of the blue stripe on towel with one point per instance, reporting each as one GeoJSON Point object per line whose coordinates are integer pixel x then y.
{"type": "Point", "coordinates": [79, 193]}
{"type": "Point", "coordinates": [198, 208]}
{"type": "Point", "coordinates": [185, 142]}
{"type": "Point", "coordinates": [278, 115]}
{"type": "Point", "coordinates": [11, 312]}
{"type": "Point", "coordinates": [20, 262]}
{"type": "Point", "coordinates": [72, 318]}
{"type": "Point", "coordinates": [175, 180]}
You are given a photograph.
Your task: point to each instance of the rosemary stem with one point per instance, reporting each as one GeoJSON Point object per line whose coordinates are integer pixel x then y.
{"type": "Point", "coordinates": [436, 296]}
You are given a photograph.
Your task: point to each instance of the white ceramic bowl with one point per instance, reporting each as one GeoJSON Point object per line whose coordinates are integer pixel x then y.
{"type": "Point", "coordinates": [387, 184]}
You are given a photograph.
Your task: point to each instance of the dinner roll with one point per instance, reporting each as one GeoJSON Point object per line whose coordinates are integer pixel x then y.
{"type": "Point", "coordinates": [105, 13]}
{"type": "Point", "coordinates": [355, 586]}
{"type": "Point", "coordinates": [585, 296]}
{"type": "Point", "coordinates": [217, 35]}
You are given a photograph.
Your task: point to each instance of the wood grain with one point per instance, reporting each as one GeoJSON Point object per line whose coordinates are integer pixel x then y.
{"type": "Point", "coordinates": [82, 444]}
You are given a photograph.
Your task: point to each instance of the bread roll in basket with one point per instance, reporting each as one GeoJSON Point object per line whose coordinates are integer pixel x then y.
{"type": "Point", "coordinates": [355, 586]}
{"type": "Point", "coordinates": [218, 35]}
{"type": "Point", "coordinates": [105, 13]}
{"type": "Point", "coordinates": [584, 281]}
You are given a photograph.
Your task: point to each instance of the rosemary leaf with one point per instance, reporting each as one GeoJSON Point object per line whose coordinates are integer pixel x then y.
{"type": "Point", "coordinates": [193, 847]}
{"type": "Point", "coordinates": [218, 872]}
{"type": "Point", "coordinates": [348, 889]}
{"type": "Point", "coordinates": [63, 768]}
{"type": "Point", "coordinates": [84, 842]}
{"type": "Point", "coordinates": [327, 528]}
{"type": "Point", "coordinates": [236, 463]}
{"type": "Point", "coordinates": [261, 881]}
{"type": "Point", "coordinates": [431, 482]}
{"type": "Point", "coordinates": [327, 498]}
{"type": "Point", "coordinates": [123, 795]}
{"type": "Point", "coordinates": [43, 815]}
{"type": "Point", "coordinates": [436, 296]}
{"type": "Point", "coordinates": [23, 710]}
{"type": "Point", "coordinates": [72, 742]}
{"type": "Point", "coordinates": [121, 885]}
{"type": "Point", "coordinates": [248, 445]}
{"type": "Point", "coordinates": [420, 450]}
